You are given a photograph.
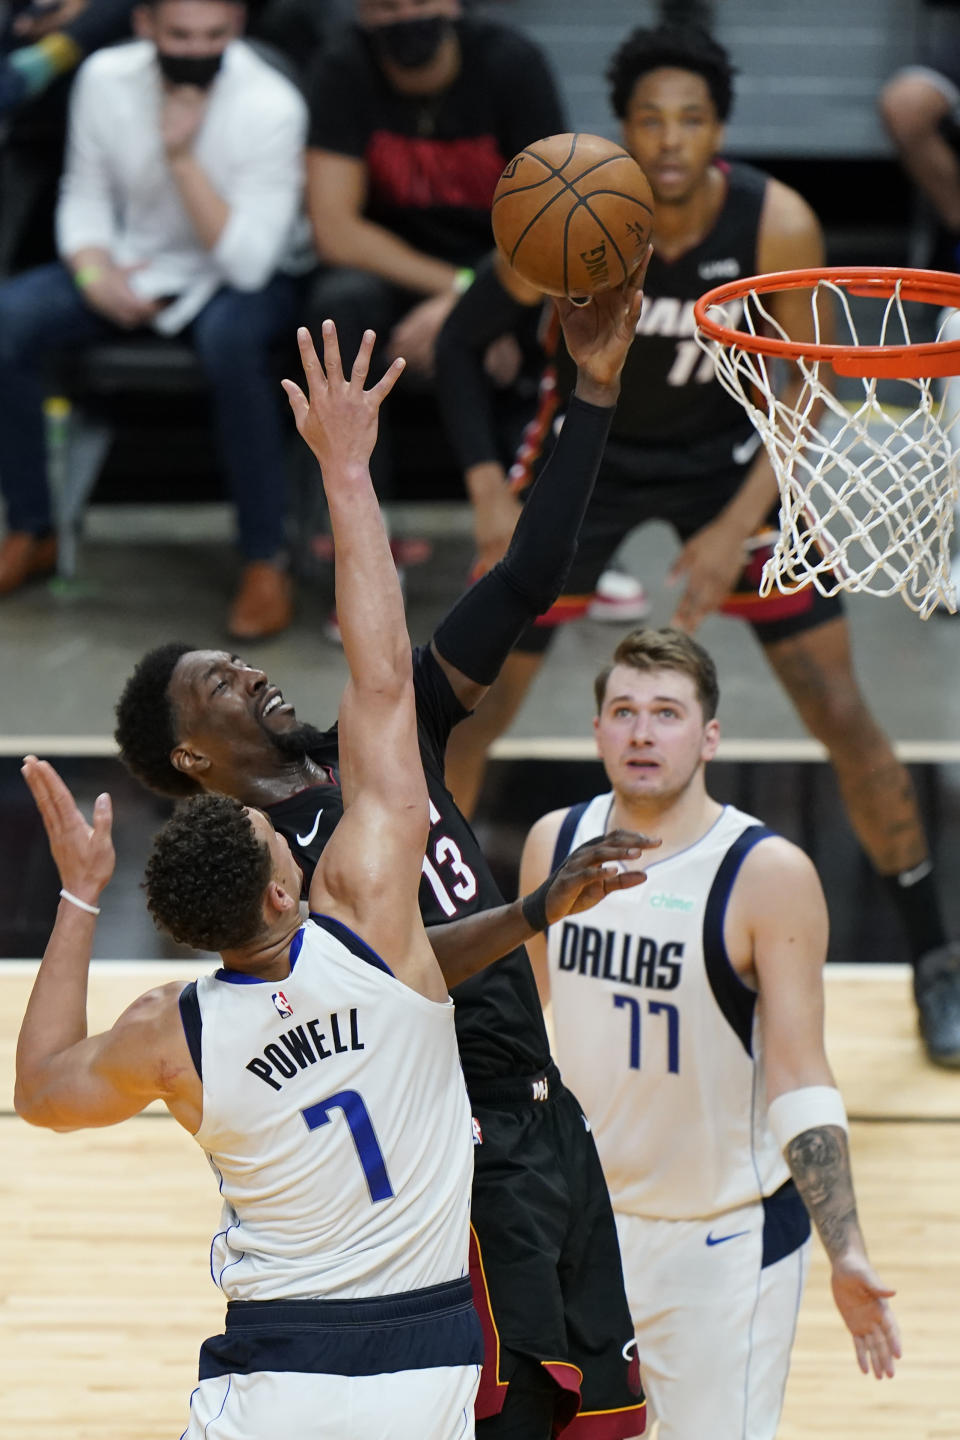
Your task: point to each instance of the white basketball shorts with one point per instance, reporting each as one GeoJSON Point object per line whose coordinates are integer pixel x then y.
{"type": "Point", "coordinates": [714, 1325]}
{"type": "Point", "coordinates": [405, 1405]}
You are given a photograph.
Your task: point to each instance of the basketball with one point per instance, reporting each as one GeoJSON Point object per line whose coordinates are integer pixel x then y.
{"type": "Point", "coordinates": [572, 214]}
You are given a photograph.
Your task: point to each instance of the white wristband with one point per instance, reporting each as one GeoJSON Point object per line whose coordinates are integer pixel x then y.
{"type": "Point", "coordinates": [807, 1109]}
{"type": "Point", "coordinates": [80, 904]}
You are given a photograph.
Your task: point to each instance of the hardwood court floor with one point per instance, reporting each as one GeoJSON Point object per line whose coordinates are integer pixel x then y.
{"type": "Point", "coordinates": [105, 1292]}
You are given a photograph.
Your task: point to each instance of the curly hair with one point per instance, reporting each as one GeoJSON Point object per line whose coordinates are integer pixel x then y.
{"type": "Point", "coordinates": [207, 873]}
{"type": "Point", "coordinates": [679, 47]}
{"type": "Point", "coordinates": [666, 649]}
{"type": "Point", "coordinates": [145, 729]}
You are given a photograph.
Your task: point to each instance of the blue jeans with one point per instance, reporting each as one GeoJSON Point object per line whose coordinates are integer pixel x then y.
{"type": "Point", "coordinates": [42, 310]}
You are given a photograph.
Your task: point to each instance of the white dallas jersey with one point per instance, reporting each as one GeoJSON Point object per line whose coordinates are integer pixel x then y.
{"type": "Point", "coordinates": [336, 1117]}
{"type": "Point", "coordinates": [657, 1036]}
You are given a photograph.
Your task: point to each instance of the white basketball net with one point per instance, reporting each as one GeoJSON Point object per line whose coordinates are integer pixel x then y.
{"type": "Point", "coordinates": [867, 494]}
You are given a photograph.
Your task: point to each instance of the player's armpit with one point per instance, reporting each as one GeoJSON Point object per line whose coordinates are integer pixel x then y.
{"type": "Point", "coordinates": [108, 1077]}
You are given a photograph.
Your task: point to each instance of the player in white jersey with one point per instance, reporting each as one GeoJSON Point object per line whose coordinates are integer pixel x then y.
{"type": "Point", "coordinates": [689, 1021]}
{"type": "Point", "coordinates": [318, 1067]}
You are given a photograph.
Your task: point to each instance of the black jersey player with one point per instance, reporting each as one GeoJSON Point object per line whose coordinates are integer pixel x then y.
{"type": "Point", "coordinates": [547, 1270]}
{"type": "Point", "coordinates": [682, 450]}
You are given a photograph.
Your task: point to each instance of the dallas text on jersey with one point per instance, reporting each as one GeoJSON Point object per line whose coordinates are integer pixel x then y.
{"type": "Point", "coordinates": [615, 955]}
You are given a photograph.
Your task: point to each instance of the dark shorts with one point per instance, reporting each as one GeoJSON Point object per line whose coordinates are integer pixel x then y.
{"type": "Point", "coordinates": [548, 1283]}
{"type": "Point", "coordinates": [620, 503]}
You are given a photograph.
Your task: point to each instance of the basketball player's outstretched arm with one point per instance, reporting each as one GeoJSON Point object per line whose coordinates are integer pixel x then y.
{"type": "Point", "coordinates": [65, 1078]}
{"type": "Point", "coordinates": [588, 874]}
{"type": "Point", "coordinates": [475, 637]}
{"type": "Point", "coordinates": [777, 909]}
{"type": "Point", "coordinates": [369, 873]}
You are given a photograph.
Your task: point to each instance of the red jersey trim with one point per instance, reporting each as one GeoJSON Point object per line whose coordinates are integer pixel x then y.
{"type": "Point", "coordinates": [492, 1391]}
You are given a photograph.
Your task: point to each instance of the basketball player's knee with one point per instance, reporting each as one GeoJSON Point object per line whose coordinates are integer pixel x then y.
{"type": "Point", "coordinates": [839, 716]}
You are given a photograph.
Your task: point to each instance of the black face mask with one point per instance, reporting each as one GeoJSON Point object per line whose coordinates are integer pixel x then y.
{"type": "Point", "coordinates": [411, 43]}
{"type": "Point", "coordinates": [200, 70]}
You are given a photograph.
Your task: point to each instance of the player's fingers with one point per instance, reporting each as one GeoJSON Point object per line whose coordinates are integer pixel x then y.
{"type": "Point", "coordinates": [299, 403]}
{"type": "Point", "coordinates": [633, 839]}
{"type": "Point", "coordinates": [640, 274]}
{"type": "Point", "coordinates": [361, 365]}
{"type": "Point", "coordinates": [33, 773]}
{"type": "Point", "coordinates": [58, 796]}
{"type": "Point", "coordinates": [863, 1354]}
{"type": "Point", "coordinates": [387, 381]}
{"type": "Point", "coordinates": [629, 880]}
{"type": "Point", "coordinates": [102, 816]}
{"type": "Point", "coordinates": [331, 352]}
{"type": "Point", "coordinates": [310, 360]}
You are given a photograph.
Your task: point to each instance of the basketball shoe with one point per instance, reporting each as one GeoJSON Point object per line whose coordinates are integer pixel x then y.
{"type": "Point", "coordinates": [936, 988]}
{"type": "Point", "coordinates": [618, 597]}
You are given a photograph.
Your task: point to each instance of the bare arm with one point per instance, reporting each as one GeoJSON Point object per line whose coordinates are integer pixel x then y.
{"type": "Point", "coordinates": [778, 910]}
{"type": "Point", "coordinates": [66, 1079]}
{"type": "Point", "coordinates": [790, 238]}
{"type": "Point", "coordinates": [369, 873]}
{"type": "Point", "coordinates": [336, 196]}
{"type": "Point", "coordinates": [588, 874]}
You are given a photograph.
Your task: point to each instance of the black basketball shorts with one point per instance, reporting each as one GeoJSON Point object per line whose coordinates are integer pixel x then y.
{"type": "Point", "coordinates": [625, 497]}
{"type": "Point", "coordinates": [545, 1260]}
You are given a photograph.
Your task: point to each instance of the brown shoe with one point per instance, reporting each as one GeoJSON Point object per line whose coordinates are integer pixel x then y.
{"type": "Point", "coordinates": [23, 556]}
{"type": "Point", "coordinates": [264, 603]}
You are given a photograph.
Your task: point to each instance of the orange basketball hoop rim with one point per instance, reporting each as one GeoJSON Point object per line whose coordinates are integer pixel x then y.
{"type": "Point", "coordinates": [895, 361]}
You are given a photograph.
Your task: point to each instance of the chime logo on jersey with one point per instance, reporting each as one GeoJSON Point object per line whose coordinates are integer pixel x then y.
{"type": "Point", "coordinates": [283, 1006]}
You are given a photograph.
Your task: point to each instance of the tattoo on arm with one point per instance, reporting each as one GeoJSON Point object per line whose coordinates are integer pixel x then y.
{"type": "Point", "coordinates": [819, 1162]}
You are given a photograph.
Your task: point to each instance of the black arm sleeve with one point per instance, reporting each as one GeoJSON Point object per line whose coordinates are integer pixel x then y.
{"type": "Point", "coordinates": [482, 314]}
{"type": "Point", "coordinates": [477, 635]}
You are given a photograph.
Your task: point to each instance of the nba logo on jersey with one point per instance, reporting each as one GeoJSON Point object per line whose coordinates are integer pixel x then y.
{"type": "Point", "coordinates": [477, 1132]}
{"type": "Point", "coordinates": [284, 1008]}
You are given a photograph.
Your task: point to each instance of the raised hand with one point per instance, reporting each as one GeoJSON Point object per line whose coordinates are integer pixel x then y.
{"type": "Point", "coordinates": [862, 1300]}
{"type": "Point", "coordinates": [594, 870]}
{"type": "Point", "coordinates": [600, 333]}
{"type": "Point", "coordinates": [707, 566]}
{"type": "Point", "coordinates": [337, 417]}
{"type": "Point", "coordinates": [83, 853]}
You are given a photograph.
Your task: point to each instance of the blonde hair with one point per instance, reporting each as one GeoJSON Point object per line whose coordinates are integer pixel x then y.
{"type": "Point", "coordinates": [665, 649]}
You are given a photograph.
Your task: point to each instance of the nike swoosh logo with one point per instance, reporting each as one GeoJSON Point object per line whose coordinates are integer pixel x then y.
{"type": "Point", "coordinates": [305, 839]}
{"type": "Point", "coordinates": [744, 452]}
{"type": "Point", "coordinates": [719, 1239]}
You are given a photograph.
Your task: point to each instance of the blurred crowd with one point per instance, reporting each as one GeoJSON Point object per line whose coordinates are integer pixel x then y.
{"type": "Point", "coordinates": [218, 172]}
{"type": "Point", "coordinates": [228, 173]}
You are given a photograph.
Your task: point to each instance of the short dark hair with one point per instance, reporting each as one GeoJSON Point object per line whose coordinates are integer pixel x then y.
{"type": "Point", "coordinates": [666, 649]}
{"type": "Point", "coordinates": [146, 732]}
{"type": "Point", "coordinates": [680, 47]}
{"type": "Point", "coordinates": [207, 873]}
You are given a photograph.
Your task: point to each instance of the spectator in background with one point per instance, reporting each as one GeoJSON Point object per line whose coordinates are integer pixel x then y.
{"type": "Point", "coordinates": [41, 41]}
{"type": "Point", "coordinates": [413, 117]}
{"type": "Point", "coordinates": [177, 212]}
{"type": "Point", "coordinates": [41, 44]}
